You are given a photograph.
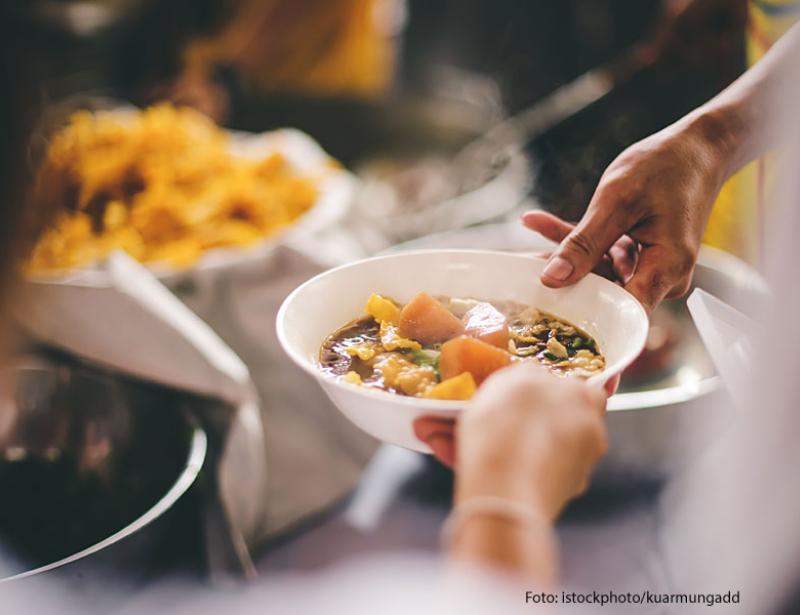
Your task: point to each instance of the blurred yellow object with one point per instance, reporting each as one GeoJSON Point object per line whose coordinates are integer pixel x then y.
{"type": "Point", "coordinates": [333, 47]}
{"type": "Point", "coordinates": [382, 309]}
{"type": "Point", "coordinates": [162, 185]}
{"type": "Point", "coordinates": [461, 387]}
{"type": "Point", "coordinates": [739, 215]}
{"type": "Point", "coordinates": [352, 378]}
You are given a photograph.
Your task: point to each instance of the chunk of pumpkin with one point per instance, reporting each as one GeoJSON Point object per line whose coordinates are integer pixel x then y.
{"type": "Point", "coordinates": [488, 324]}
{"type": "Point", "coordinates": [467, 354]}
{"type": "Point", "coordinates": [461, 387]}
{"type": "Point", "coordinates": [382, 309]}
{"type": "Point", "coordinates": [426, 320]}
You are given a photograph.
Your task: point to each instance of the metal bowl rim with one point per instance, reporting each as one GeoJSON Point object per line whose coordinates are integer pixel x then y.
{"type": "Point", "coordinates": [194, 463]}
{"type": "Point", "coordinates": [735, 270]}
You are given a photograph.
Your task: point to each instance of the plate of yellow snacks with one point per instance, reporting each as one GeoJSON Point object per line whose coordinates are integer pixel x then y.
{"type": "Point", "coordinates": [178, 193]}
{"type": "Point", "coordinates": [412, 334]}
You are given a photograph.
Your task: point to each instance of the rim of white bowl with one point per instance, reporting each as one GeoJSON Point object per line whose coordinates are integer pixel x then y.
{"type": "Point", "coordinates": [439, 405]}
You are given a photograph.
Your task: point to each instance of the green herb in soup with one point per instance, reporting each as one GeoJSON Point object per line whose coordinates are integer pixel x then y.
{"type": "Point", "coordinates": [445, 347]}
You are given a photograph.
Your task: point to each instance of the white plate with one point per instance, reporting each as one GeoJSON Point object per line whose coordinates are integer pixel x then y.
{"type": "Point", "coordinates": [320, 306]}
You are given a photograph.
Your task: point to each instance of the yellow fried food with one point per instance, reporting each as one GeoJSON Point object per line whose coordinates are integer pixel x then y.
{"type": "Point", "coordinates": [399, 373]}
{"type": "Point", "coordinates": [392, 340]}
{"type": "Point", "coordinates": [352, 378]}
{"type": "Point", "coordinates": [162, 185]}
{"type": "Point", "coordinates": [382, 309]}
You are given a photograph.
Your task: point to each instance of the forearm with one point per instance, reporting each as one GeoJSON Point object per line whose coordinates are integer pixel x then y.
{"type": "Point", "coordinates": [747, 118]}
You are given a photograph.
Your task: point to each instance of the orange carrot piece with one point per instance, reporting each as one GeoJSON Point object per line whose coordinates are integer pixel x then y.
{"type": "Point", "coordinates": [467, 354]}
{"type": "Point", "coordinates": [427, 321]}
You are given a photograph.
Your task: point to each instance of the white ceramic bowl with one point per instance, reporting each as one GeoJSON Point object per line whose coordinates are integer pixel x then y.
{"type": "Point", "coordinates": [323, 304]}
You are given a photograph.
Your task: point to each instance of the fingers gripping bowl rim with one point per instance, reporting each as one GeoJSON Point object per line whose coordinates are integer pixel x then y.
{"type": "Point", "coordinates": [607, 312]}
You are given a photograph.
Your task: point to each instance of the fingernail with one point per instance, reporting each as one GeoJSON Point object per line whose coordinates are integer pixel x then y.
{"type": "Point", "coordinates": [559, 268]}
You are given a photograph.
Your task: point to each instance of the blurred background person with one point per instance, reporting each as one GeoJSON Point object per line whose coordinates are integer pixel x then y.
{"type": "Point", "coordinates": [338, 48]}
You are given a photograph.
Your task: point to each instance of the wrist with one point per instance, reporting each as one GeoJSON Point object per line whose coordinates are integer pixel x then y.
{"type": "Point", "coordinates": [511, 513]}
{"type": "Point", "coordinates": [523, 541]}
{"type": "Point", "coordinates": [511, 485]}
{"type": "Point", "coordinates": [719, 132]}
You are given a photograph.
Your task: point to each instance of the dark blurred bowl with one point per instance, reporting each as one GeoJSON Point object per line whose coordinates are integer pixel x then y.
{"type": "Point", "coordinates": [93, 468]}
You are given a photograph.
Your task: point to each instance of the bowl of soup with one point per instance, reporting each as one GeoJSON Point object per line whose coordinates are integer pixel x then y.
{"type": "Point", "coordinates": [397, 337]}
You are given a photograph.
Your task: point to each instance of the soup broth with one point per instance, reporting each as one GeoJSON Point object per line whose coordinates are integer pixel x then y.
{"type": "Point", "coordinates": [444, 347]}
